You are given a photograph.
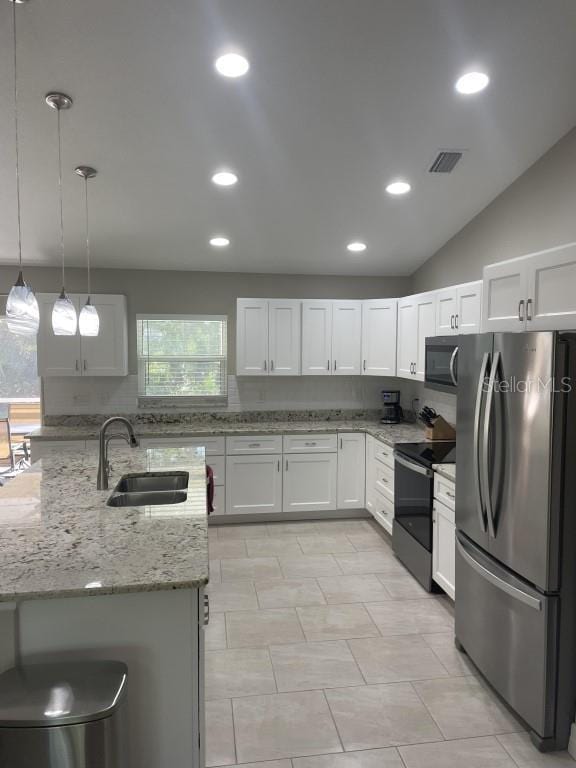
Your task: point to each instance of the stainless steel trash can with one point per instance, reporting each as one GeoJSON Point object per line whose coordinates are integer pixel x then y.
{"type": "Point", "coordinates": [63, 715]}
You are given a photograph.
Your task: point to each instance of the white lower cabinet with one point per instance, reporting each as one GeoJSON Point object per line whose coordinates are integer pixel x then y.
{"type": "Point", "coordinates": [253, 484]}
{"type": "Point", "coordinates": [351, 470]}
{"type": "Point", "coordinates": [310, 481]}
{"type": "Point", "coordinates": [380, 482]}
{"type": "Point", "coordinates": [444, 536]}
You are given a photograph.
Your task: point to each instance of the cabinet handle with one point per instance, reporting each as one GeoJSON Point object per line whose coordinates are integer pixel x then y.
{"type": "Point", "coordinates": [77, 366]}
{"type": "Point", "coordinates": [265, 365]}
{"type": "Point", "coordinates": [456, 321]}
{"type": "Point", "coordinates": [286, 465]}
{"type": "Point", "coordinates": [253, 445]}
{"type": "Point", "coordinates": [84, 366]}
{"type": "Point", "coordinates": [450, 494]}
{"type": "Point", "coordinates": [335, 366]}
{"type": "Point", "coordinates": [271, 365]}
{"type": "Point", "coordinates": [328, 365]}
{"type": "Point", "coordinates": [364, 365]}
{"type": "Point", "coordinates": [528, 312]}
{"type": "Point", "coordinates": [309, 444]}
{"type": "Point", "coordinates": [452, 322]}
{"type": "Point", "coordinates": [520, 308]}
{"type": "Point", "coordinates": [278, 465]}
{"type": "Point", "coordinates": [341, 443]}
{"type": "Point", "coordinates": [206, 610]}
{"type": "Point", "coordinates": [385, 481]}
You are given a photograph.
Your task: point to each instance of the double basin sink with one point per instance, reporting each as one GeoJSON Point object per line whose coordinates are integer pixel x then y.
{"type": "Point", "coordinates": [150, 489]}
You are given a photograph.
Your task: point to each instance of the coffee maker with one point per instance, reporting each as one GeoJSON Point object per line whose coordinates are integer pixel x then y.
{"type": "Point", "coordinates": [392, 412]}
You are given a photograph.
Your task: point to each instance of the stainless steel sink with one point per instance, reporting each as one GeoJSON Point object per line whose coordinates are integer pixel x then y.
{"type": "Point", "coordinates": [153, 481]}
{"type": "Point", "coordinates": [146, 498]}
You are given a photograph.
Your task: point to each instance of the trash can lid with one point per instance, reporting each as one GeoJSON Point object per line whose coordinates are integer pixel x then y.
{"type": "Point", "coordinates": [44, 695]}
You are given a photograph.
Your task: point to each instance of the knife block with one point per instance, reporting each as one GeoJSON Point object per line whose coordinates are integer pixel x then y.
{"type": "Point", "coordinates": [441, 430]}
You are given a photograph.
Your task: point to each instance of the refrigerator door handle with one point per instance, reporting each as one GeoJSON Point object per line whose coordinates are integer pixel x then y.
{"type": "Point", "coordinates": [477, 414]}
{"type": "Point", "coordinates": [486, 445]}
{"type": "Point", "coordinates": [496, 581]}
{"type": "Point", "coordinates": [452, 368]}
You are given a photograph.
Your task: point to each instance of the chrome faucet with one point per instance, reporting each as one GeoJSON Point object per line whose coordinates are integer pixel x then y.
{"type": "Point", "coordinates": [103, 464]}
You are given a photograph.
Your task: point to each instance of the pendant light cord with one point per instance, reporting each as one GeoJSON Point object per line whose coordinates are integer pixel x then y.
{"type": "Point", "coordinates": [16, 135]}
{"type": "Point", "coordinates": [87, 233]}
{"type": "Point", "coordinates": [61, 193]}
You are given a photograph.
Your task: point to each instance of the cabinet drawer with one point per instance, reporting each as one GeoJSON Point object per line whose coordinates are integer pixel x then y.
{"type": "Point", "coordinates": [384, 481]}
{"type": "Point", "coordinates": [214, 446]}
{"type": "Point", "coordinates": [444, 491]}
{"type": "Point", "coordinates": [309, 444]}
{"type": "Point", "coordinates": [253, 444]}
{"type": "Point", "coordinates": [447, 512]}
{"type": "Point", "coordinates": [384, 454]}
{"type": "Point", "coordinates": [383, 511]}
{"type": "Point", "coordinates": [218, 464]}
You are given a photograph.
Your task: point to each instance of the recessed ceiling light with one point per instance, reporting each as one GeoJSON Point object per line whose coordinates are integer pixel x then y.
{"type": "Point", "coordinates": [356, 247]}
{"type": "Point", "coordinates": [398, 188]}
{"type": "Point", "coordinates": [219, 242]}
{"type": "Point", "coordinates": [472, 82]}
{"type": "Point", "coordinates": [225, 178]}
{"type": "Point", "coordinates": [232, 65]}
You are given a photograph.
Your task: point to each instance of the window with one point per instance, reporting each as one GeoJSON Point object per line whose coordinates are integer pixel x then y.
{"type": "Point", "coordinates": [182, 356]}
{"type": "Point", "coordinates": [19, 380]}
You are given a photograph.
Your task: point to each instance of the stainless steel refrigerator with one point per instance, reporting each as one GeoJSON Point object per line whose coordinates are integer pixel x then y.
{"type": "Point", "coordinates": [516, 522]}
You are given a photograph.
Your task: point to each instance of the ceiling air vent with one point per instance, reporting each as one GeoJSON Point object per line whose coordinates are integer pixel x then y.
{"type": "Point", "coordinates": [445, 161]}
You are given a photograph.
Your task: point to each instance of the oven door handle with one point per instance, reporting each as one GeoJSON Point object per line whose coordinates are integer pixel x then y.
{"type": "Point", "coordinates": [413, 466]}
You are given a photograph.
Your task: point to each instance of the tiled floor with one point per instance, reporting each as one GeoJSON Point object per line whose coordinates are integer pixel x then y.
{"type": "Point", "coordinates": [323, 652]}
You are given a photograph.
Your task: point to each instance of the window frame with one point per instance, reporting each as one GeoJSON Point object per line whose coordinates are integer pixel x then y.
{"type": "Point", "coordinates": [177, 401]}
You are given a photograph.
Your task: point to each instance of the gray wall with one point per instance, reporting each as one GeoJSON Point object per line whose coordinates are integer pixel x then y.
{"type": "Point", "coordinates": [537, 211]}
{"type": "Point", "coordinates": [173, 292]}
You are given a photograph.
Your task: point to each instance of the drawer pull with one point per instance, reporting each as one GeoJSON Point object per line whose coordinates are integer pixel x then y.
{"type": "Point", "coordinates": [254, 445]}
{"type": "Point", "coordinates": [385, 481]}
{"type": "Point", "coordinates": [450, 495]}
{"type": "Point", "coordinates": [309, 444]}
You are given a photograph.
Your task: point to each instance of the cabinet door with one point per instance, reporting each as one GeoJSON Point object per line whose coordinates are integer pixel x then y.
{"type": "Point", "coordinates": [107, 353]}
{"type": "Point", "coordinates": [310, 482]}
{"type": "Point", "coordinates": [426, 326]}
{"type": "Point", "coordinates": [446, 310]}
{"type": "Point", "coordinates": [316, 338]}
{"type": "Point", "coordinates": [251, 337]}
{"type": "Point", "coordinates": [551, 289]}
{"type": "Point", "coordinates": [57, 355]}
{"type": "Point", "coordinates": [469, 308]}
{"type": "Point", "coordinates": [346, 338]}
{"type": "Point", "coordinates": [443, 551]}
{"type": "Point", "coordinates": [284, 337]}
{"type": "Point", "coordinates": [379, 337]}
{"type": "Point", "coordinates": [407, 343]}
{"type": "Point", "coordinates": [253, 484]}
{"type": "Point", "coordinates": [370, 474]}
{"type": "Point", "coordinates": [504, 296]}
{"type": "Point", "coordinates": [351, 471]}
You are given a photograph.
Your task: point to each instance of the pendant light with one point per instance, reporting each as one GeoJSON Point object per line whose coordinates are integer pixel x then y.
{"type": "Point", "coordinates": [22, 315]}
{"type": "Point", "coordinates": [64, 318]}
{"type": "Point", "coordinates": [88, 322]}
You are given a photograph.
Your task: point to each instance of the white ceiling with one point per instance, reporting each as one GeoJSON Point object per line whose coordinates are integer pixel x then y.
{"type": "Point", "coordinates": [342, 96]}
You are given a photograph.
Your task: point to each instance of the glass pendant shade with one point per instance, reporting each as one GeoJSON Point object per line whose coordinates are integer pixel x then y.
{"type": "Point", "coordinates": [64, 318]}
{"type": "Point", "coordinates": [22, 314]}
{"type": "Point", "coordinates": [89, 322]}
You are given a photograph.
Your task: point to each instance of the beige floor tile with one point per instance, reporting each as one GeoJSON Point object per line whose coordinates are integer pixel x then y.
{"type": "Point", "coordinates": [238, 672]}
{"type": "Point", "coordinates": [230, 596]}
{"type": "Point", "coordinates": [464, 707]}
{"type": "Point", "coordinates": [402, 586]}
{"type": "Point", "coordinates": [250, 568]}
{"type": "Point", "coordinates": [266, 764]}
{"type": "Point", "coordinates": [215, 632]}
{"type": "Point", "coordinates": [373, 561]}
{"type": "Point", "coordinates": [381, 716]}
{"type": "Point", "coordinates": [223, 549]}
{"type": "Point", "coordinates": [397, 617]}
{"type": "Point", "coordinates": [365, 588]}
{"type": "Point", "coordinates": [396, 659]}
{"type": "Point", "coordinates": [273, 546]}
{"type": "Point", "coordinates": [368, 758]}
{"type": "Point", "coordinates": [285, 593]}
{"type": "Point", "coordinates": [309, 565]}
{"type": "Point", "coordinates": [525, 754]}
{"type": "Point", "coordinates": [310, 666]}
{"type": "Point", "coordinates": [215, 572]}
{"type": "Point", "coordinates": [255, 629]}
{"type": "Point", "coordinates": [219, 733]}
{"type": "Point", "coordinates": [457, 663]}
{"type": "Point", "coordinates": [466, 753]}
{"type": "Point", "coordinates": [367, 540]}
{"type": "Point", "coordinates": [243, 531]}
{"type": "Point", "coordinates": [212, 532]}
{"type": "Point", "coordinates": [319, 544]}
{"type": "Point", "coordinates": [329, 527]}
{"type": "Point", "coordinates": [336, 622]}
{"type": "Point", "coordinates": [296, 529]}
{"type": "Point", "coordinates": [284, 725]}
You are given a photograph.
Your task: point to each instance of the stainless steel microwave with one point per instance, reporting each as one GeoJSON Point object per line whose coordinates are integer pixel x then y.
{"type": "Point", "coordinates": [441, 363]}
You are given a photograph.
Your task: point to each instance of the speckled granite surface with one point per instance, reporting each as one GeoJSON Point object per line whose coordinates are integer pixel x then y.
{"type": "Point", "coordinates": [446, 470]}
{"type": "Point", "coordinates": [59, 539]}
{"type": "Point", "coordinates": [390, 433]}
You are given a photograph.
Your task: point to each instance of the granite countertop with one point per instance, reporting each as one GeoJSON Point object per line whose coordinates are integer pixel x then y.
{"type": "Point", "coordinates": [59, 539]}
{"type": "Point", "coordinates": [446, 470]}
{"type": "Point", "coordinates": [390, 434]}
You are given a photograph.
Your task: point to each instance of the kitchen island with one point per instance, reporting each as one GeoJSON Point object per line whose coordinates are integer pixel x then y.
{"type": "Point", "coordinates": [83, 580]}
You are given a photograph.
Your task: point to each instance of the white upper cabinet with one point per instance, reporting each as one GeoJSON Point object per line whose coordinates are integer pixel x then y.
{"type": "Point", "coordinates": [504, 296]}
{"type": "Point", "coordinates": [446, 310]}
{"type": "Point", "coordinates": [252, 337]}
{"type": "Point", "coordinates": [379, 319]}
{"type": "Point", "coordinates": [458, 309]}
{"type": "Point", "coordinates": [102, 355]}
{"type": "Point", "coordinates": [426, 326]}
{"type": "Point", "coordinates": [346, 338]}
{"type": "Point", "coordinates": [551, 298]}
{"type": "Point", "coordinates": [284, 336]}
{"type": "Point", "coordinates": [406, 341]}
{"type": "Point", "coordinates": [316, 338]}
